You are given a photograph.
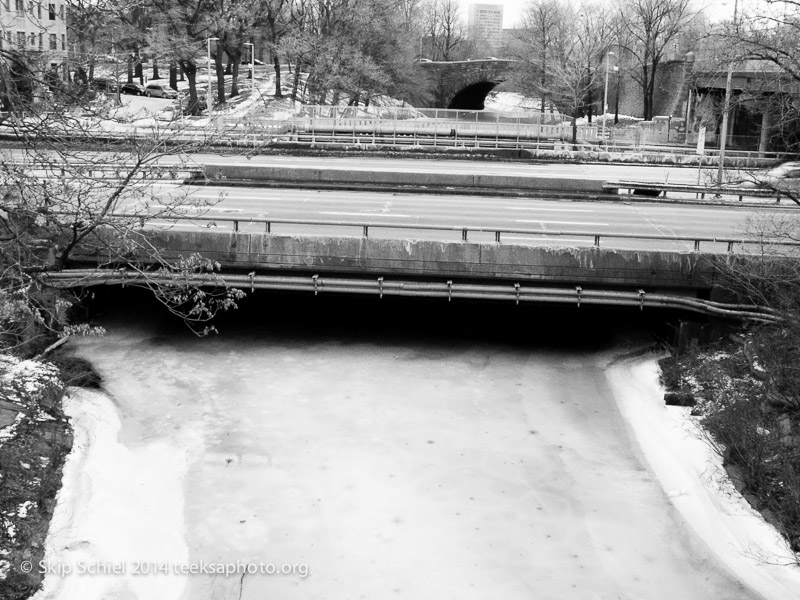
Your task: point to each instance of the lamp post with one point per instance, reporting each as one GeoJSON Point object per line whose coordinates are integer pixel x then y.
{"type": "Point", "coordinates": [252, 65]}
{"type": "Point", "coordinates": [605, 98]}
{"type": "Point", "coordinates": [116, 69]}
{"type": "Point", "coordinates": [723, 132]}
{"type": "Point", "coordinates": [208, 58]}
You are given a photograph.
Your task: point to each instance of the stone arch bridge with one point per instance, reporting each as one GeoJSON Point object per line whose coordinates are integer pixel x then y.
{"type": "Point", "coordinates": [464, 84]}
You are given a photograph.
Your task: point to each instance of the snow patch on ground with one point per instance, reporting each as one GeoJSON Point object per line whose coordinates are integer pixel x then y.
{"type": "Point", "coordinates": [119, 506]}
{"type": "Point", "coordinates": [511, 102]}
{"type": "Point", "coordinates": [693, 477]}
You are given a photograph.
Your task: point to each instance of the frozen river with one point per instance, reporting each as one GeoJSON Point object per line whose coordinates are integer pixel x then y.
{"type": "Point", "coordinates": [367, 465]}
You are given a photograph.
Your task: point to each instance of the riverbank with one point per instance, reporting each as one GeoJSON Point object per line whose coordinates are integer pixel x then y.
{"type": "Point", "coordinates": [35, 437]}
{"type": "Point", "coordinates": [119, 520]}
{"type": "Point", "coordinates": [693, 477]}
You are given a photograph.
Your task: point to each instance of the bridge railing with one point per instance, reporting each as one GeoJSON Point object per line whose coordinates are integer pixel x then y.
{"type": "Point", "coordinates": [404, 113]}
{"type": "Point", "coordinates": [498, 234]}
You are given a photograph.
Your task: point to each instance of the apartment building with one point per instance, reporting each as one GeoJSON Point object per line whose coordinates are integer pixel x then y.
{"type": "Point", "coordinates": [486, 24]}
{"type": "Point", "coordinates": [36, 29]}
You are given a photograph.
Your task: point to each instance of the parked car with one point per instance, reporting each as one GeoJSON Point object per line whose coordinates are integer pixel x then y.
{"type": "Point", "coordinates": [104, 84]}
{"type": "Point", "coordinates": [783, 177]}
{"type": "Point", "coordinates": [156, 90]}
{"type": "Point", "coordinates": [135, 89]}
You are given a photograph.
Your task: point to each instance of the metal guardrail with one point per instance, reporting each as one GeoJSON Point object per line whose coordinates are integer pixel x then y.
{"type": "Point", "coordinates": [464, 230]}
{"type": "Point", "coordinates": [351, 125]}
{"type": "Point", "coordinates": [701, 190]}
{"type": "Point", "coordinates": [451, 290]}
{"type": "Point", "coordinates": [106, 170]}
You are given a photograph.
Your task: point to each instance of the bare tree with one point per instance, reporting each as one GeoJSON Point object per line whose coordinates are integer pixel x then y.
{"type": "Point", "coordinates": [652, 26]}
{"type": "Point", "coordinates": [536, 44]}
{"type": "Point", "coordinates": [444, 29]}
{"type": "Point", "coordinates": [559, 50]}
{"type": "Point", "coordinates": [57, 202]}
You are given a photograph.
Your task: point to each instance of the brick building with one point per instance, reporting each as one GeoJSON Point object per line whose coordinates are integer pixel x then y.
{"type": "Point", "coordinates": [36, 30]}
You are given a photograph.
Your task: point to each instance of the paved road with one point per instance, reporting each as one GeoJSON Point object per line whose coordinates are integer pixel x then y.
{"type": "Point", "coordinates": [485, 212]}
{"type": "Point", "coordinates": [520, 169]}
{"type": "Point", "coordinates": [660, 174]}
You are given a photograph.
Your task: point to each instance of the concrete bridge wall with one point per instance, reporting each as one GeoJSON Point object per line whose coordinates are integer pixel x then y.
{"type": "Point", "coordinates": [524, 181]}
{"type": "Point", "coordinates": [244, 252]}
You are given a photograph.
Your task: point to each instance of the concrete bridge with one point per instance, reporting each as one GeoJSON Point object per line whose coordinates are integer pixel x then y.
{"type": "Point", "coordinates": [450, 270]}
{"type": "Point", "coordinates": [363, 257]}
{"type": "Point", "coordinates": [464, 85]}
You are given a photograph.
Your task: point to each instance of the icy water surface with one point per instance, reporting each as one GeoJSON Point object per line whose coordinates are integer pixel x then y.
{"type": "Point", "coordinates": [392, 465]}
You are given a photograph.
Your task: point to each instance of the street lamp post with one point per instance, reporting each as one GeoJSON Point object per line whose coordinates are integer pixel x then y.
{"type": "Point", "coordinates": [605, 99]}
{"type": "Point", "coordinates": [252, 65]}
{"type": "Point", "coordinates": [208, 58]}
{"type": "Point", "coordinates": [116, 69]}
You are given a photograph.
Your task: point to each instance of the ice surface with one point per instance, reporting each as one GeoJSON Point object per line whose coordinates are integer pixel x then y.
{"type": "Point", "coordinates": [406, 471]}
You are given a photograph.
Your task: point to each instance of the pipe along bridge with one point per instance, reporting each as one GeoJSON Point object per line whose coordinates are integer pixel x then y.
{"type": "Point", "coordinates": [450, 270]}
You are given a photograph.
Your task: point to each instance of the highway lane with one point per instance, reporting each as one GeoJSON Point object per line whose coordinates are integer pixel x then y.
{"type": "Point", "coordinates": [650, 173]}
{"type": "Point", "coordinates": [404, 211]}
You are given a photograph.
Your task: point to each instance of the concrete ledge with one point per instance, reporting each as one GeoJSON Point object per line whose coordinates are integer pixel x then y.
{"type": "Point", "coordinates": [341, 176]}
{"type": "Point", "coordinates": [464, 260]}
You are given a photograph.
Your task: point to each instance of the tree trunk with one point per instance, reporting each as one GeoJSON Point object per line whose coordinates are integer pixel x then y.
{"type": "Point", "coordinates": [296, 83]}
{"type": "Point", "coordinates": [235, 76]}
{"type": "Point", "coordinates": [189, 68]}
{"type": "Point", "coordinates": [589, 96]}
{"type": "Point", "coordinates": [173, 75]}
{"type": "Point", "coordinates": [276, 64]}
{"type": "Point", "coordinates": [130, 68]}
{"type": "Point", "coordinates": [155, 68]}
{"type": "Point", "coordinates": [137, 72]}
{"type": "Point", "coordinates": [574, 128]}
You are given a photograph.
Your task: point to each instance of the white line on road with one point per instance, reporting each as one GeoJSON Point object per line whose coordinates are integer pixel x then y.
{"type": "Point", "coordinates": [539, 208]}
{"type": "Point", "coordinates": [560, 222]}
{"type": "Point", "coordinates": [362, 214]}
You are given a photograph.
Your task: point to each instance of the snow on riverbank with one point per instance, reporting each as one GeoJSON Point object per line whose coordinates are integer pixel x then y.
{"type": "Point", "coordinates": [120, 511]}
{"type": "Point", "coordinates": [692, 475]}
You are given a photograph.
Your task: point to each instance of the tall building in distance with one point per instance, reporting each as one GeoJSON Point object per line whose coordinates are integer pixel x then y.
{"type": "Point", "coordinates": [486, 23]}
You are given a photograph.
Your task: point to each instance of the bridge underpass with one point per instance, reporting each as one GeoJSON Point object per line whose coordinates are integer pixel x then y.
{"type": "Point", "coordinates": [451, 271]}
{"type": "Point", "coordinates": [463, 85]}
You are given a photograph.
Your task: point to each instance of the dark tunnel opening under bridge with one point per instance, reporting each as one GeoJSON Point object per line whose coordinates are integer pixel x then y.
{"type": "Point", "coordinates": [472, 97]}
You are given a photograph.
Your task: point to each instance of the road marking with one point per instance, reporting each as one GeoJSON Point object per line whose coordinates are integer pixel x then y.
{"type": "Point", "coordinates": [363, 214]}
{"type": "Point", "coordinates": [561, 222]}
{"type": "Point", "coordinates": [580, 210]}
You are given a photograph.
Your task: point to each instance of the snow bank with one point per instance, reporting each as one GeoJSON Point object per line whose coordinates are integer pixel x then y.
{"type": "Point", "coordinates": [692, 475]}
{"type": "Point", "coordinates": [120, 511]}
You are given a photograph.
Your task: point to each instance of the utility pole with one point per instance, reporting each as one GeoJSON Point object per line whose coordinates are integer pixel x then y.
{"type": "Point", "coordinates": [116, 68]}
{"type": "Point", "coordinates": [605, 99]}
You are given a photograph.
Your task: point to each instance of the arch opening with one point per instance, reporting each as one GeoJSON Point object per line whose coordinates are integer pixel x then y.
{"type": "Point", "coordinates": [472, 97]}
